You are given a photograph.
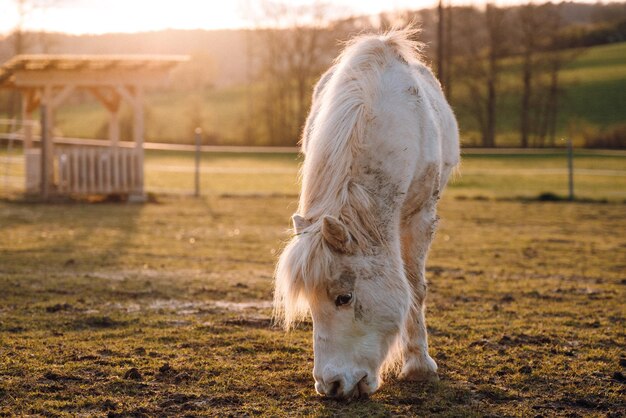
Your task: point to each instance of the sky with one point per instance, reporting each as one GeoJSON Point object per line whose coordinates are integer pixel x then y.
{"type": "Point", "coordinates": [103, 16]}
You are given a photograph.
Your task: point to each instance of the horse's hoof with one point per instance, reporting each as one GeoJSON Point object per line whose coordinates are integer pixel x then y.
{"type": "Point", "coordinates": [420, 369]}
{"type": "Point", "coordinates": [424, 376]}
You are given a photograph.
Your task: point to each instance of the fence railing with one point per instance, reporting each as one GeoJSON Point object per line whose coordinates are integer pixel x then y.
{"type": "Point", "coordinates": [90, 166]}
{"type": "Point", "coordinates": [11, 156]}
{"type": "Point", "coordinates": [79, 166]}
{"type": "Point", "coordinates": [96, 170]}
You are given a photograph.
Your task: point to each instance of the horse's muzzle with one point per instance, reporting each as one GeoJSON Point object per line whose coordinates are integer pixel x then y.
{"type": "Point", "coordinates": [337, 389]}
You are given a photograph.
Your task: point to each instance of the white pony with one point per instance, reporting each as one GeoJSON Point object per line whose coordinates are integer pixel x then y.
{"type": "Point", "coordinates": [379, 144]}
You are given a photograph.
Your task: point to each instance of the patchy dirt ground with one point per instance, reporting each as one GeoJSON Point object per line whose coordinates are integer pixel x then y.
{"type": "Point", "coordinates": [163, 309]}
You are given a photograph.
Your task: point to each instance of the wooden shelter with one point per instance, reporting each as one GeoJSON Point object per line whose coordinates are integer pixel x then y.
{"type": "Point", "coordinates": [46, 81]}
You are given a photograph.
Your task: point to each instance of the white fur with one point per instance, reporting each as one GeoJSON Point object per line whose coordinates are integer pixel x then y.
{"type": "Point", "coordinates": [380, 143]}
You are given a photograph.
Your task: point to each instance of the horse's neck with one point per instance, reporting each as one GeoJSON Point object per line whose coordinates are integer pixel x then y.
{"type": "Point", "coordinates": [387, 217]}
{"type": "Point", "coordinates": [386, 195]}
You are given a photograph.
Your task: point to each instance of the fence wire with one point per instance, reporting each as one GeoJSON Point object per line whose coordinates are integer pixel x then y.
{"type": "Point", "coordinates": [170, 169]}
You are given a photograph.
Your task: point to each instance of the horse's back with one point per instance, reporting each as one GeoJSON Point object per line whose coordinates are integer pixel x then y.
{"type": "Point", "coordinates": [443, 117]}
{"type": "Point", "coordinates": [412, 131]}
{"type": "Point", "coordinates": [380, 120]}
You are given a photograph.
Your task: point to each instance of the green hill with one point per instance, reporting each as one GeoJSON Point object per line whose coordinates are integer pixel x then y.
{"type": "Point", "coordinates": [594, 96]}
{"type": "Point", "coordinates": [596, 86]}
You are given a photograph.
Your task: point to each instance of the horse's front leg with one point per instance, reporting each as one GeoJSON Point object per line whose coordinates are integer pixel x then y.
{"type": "Point", "coordinates": [417, 234]}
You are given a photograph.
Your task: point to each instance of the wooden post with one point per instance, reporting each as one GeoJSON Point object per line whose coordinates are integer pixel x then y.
{"type": "Point", "coordinates": [138, 133]}
{"type": "Point", "coordinates": [114, 128]}
{"type": "Point", "coordinates": [92, 171]}
{"type": "Point", "coordinates": [570, 168]}
{"type": "Point", "coordinates": [100, 163]}
{"type": "Point", "coordinates": [48, 128]}
{"type": "Point", "coordinates": [27, 121]}
{"type": "Point", "coordinates": [45, 186]}
{"type": "Point", "coordinates": [75, 170]}
{"type": "Point", "coordinates": [198, 135]}
{"type": "Point", "coordinates": [123, 169]}
{"type": "Point", "coordinates": [114, 138]}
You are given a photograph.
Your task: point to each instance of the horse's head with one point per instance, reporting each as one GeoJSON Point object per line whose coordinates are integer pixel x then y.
{"type": "Point", "coordinates": [357, 296]}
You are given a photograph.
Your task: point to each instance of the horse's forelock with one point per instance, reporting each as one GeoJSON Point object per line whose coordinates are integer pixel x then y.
{"type": "Point", "coordinates": [303, 266]}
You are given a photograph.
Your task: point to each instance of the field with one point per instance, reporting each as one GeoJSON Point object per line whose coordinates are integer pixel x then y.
{"type": "Point", "coordinates": [163, 309]}
{"type": "Point", "coordinates": [593, 99]}
{"type": "Point", "coordinates": [598, 175]}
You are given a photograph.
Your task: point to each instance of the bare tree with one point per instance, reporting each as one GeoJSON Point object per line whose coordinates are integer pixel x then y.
{"type": "Point", "coordinates": [555, 61]}
{"type": "Point", "coordinates": [529, 28]}
{"type": "Point", "coordinates": [470, 61]}
{"type": "Point", "coordinates": [440, 41]}
{"type": "Point", "coordinates": [538, 28]}
{"type": "Point", "coordinates": [449, 51]}
{"type": "Point", "coordinates": [22, 42]}
{"type": "Point", "coordinates": [291, 50]}
{"type": "Point", "coordinates": [19, 47]}
{"type": "Point", "coordinates": [497, 45]}
{"type": "Point", "coordinates": [195, 77]}
{"type": "Point", "coordinates": [533, 22]}
{"type": "Point", "coordinates": [482, 43]}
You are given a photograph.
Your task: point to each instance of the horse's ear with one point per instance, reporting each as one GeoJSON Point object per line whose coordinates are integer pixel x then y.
{"type": "Point", "coordinates": [336, 235]}
{"type": "Point", "coordinates": [299, 223]}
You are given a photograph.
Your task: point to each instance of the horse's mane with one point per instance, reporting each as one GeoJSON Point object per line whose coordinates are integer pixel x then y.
{"type": "Point", "coordinates": [334, 136]}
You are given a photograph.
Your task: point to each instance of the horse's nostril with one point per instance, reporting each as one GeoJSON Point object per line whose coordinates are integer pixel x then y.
{"type": "Point", "coordinates": [362, 388]}
{"type": "Point", "coordinates": [334, 389]}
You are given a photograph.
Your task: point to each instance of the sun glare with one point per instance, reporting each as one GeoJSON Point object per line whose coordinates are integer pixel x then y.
{"type": "Point", "coordinates": [94, 16]}
{"type": "Point", "coordinates": [106, 16]}
{"type": "Point", "coordinates": [99, 16]}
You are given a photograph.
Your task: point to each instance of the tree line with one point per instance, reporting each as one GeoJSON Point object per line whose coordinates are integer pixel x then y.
{"type": "Point", "coordinates": [495, 64]}
{"type": "Point", "coordinates": [481, 43]}
{"type": "Point", "coordinates": [477, 53]}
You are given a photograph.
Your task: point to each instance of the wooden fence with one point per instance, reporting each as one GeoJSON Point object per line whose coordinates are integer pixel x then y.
{"type": "Point", "coordinates": [97, 170]}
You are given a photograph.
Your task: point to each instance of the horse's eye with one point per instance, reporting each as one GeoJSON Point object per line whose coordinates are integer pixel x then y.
{"type": "Point", "coordinates": [343, 299]}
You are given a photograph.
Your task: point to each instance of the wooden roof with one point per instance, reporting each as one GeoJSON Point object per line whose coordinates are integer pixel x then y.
{"type": "Point", "coordinates": [93, 64]}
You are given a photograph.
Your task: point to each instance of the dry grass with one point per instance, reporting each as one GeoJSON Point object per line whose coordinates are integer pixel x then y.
{"type": "Point", "coordinates": [112, 309]}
